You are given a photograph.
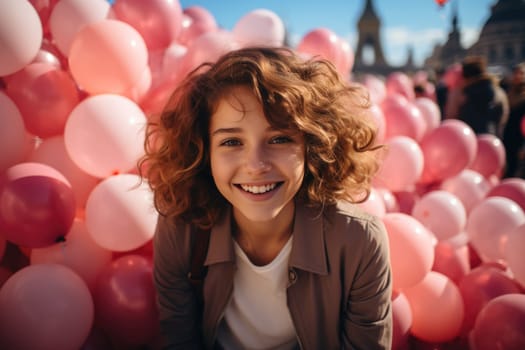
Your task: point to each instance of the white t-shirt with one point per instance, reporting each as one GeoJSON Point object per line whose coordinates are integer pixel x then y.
{"type": "Point", "coordinates": [257, 316]}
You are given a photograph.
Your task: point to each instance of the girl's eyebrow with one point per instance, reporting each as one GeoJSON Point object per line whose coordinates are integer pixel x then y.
{"type": "Point", "coordinates": [226, 131]}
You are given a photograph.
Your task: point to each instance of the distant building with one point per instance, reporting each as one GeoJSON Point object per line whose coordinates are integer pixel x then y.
{"type": "Point", "coordinates": [501, 40]}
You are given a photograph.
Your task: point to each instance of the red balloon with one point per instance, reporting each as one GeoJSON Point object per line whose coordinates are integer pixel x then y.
{"type": "Point", "coordinates": [125, 301]}
{"type": "Point", "coordinates": [37, 205]}
{"type": "Point", "coordinates": [500, 324]}
{"type": "Point", "coordinates": [441, 2]}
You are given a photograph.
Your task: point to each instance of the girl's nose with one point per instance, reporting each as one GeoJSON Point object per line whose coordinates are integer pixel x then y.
{"type": "Point", "coordinates": [257, 162]}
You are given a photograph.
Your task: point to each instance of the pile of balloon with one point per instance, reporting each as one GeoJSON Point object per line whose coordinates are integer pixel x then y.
{"type": "Point", "coordinates": [80, 79]}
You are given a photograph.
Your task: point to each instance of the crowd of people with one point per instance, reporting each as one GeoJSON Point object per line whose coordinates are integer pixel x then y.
{"type": "Point", "coordinates": [488, 103]}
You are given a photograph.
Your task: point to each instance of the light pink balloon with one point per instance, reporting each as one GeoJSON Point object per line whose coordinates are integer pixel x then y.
{"type": "Point", "coordinates": [442, 213]}
{"type": "Point", "coordinates": [376, 113]}
{"type": "Point", "coordinates": [69, 16]}
{"type": "Point", "coordinates": [46, 307]}
{"type": "Point", "coordinates": [411, 249]}
{"type": "Point", "coordinates": [374, 204]}
{"type": "Point", "coordinates": [45, 96]}
{"type": "Point", "coordinates": [52, 151]}
{"type": "Point", "coordinates": [14, 140]}
{"type": "Point", "coordinates": [437, 308]}
{"type": "Point", "coordinates": [429, 111]}
{"type": "Point", "coordinates": [511, 188]}
{"type": "Point", "coordinates": [320, 42]}
{"type": "Point", "coordinates": [489, 224]}
{"type": "Point", "coordinates": [126, 302]}
{"type": "Point", "coordinates": [107, 56]}
{"type": "Point", "coordinates": [165, 65]}
{"type": "Point", "coordinates": [500, 324]}
{"type": "Point", "coordinates": [469, 186]}
{"type": "Point", "coordinates": [490, 156]}
{"type": "Point", "coordinates": [21, 35]}
{"type": "Point", "coordinates": [400, 83]}
{"type": "Point", "coordinates": [104, 135]}
{"type": "Point", "coordinates": [196, 20]}
{"type": "Point", "coordinates": [402, 165]}
{"type": "Point", "coordinates": [159, 22]}
{"type": "Point", "coordinates": [402, 117]}
{"type": "Point", "coordinates": [346, 62]}
{"type": "Point", "coordinates": [376, 87]}
{"type": "Point", "coordinates": [79, 252]}
{"type": "Point", "coordinates": [260, 27]}
{"type": "Point", "coordinates": [513, 253]}
{"type": "Point", "coordinates": [44, 8]}
{"type": "Point", "coordinates": [448, 149]}
{"type": "Point", "coordinates": [402, 321]}
{"type": "Point", "coordinates": [119, 213]}
{"type": "Point", "coordinates": [390, 200]}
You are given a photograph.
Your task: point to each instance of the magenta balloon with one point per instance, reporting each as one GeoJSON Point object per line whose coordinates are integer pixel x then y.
{"type": "Point", "coordinates": [125, 301]}
{"type": "Point", "coordinates": [512, 188]}
{"type": "Point", "coordinates": [402, 321]}
{"type": "Point", "coordinates": [14, 140]}
{"type": "Point", "coordinates": [37, 205]}
{"type": "Point", "coordinates": [402, 117]}
{"type": "Point", "coordinates": [21, 35]}
{"type": "Point", "coordinates": [469, 186]}
{"type": "Point", "coordinates": [437, 308]}
{"type": "Point", "coordinates": [490, 157]}
{"type": "Point", "coordinates": [108, 56]}
{"type": "Point", "coordinates": [45, 95]}
{"type": "Point", "coordinates": [448, 149]}
{"type": "Point", "coordinates": [45, 307]}
{"type": "Point", "coordinates": [500, 324]}
{"type": "Point", "coordinates": [480, 286]}
{"type": "Point", "coordinates": [158, 21]}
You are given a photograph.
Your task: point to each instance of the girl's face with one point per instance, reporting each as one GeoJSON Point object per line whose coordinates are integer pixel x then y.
{"type": "Point", "coordinates": [257, 168]}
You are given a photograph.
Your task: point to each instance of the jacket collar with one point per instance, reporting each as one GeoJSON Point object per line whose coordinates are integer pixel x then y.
{"type": "Point", "coordinates": [308, 248]}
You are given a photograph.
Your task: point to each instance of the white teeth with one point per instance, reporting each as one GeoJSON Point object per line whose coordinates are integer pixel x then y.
{"type": "Point", "coordinates": [258, 189]}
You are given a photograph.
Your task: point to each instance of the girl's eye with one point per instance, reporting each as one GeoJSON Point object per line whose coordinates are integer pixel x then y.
{"type": "Point", "coordinates": [281, 139]}
{"type": "Point", "coordinates": [230, 142]}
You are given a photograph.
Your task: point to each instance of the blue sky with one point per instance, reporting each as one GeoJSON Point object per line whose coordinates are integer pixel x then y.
{"type": "Point", "coordinates": [416, 23]}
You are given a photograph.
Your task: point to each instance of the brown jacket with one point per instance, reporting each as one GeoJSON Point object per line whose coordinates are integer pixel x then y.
{"type": "Point", "coordinates": [339, 294]}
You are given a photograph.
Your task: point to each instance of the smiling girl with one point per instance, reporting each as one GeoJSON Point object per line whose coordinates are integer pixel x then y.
{"type": "Point", "coordinates": [267, 151]}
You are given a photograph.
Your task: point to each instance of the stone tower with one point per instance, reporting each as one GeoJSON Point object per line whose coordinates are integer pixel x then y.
{"type": "Point", "coordinates": [368, 28]}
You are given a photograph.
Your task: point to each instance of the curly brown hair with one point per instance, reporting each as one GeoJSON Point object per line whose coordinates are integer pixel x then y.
{"type": "Point", "coordinates": [301, 94]}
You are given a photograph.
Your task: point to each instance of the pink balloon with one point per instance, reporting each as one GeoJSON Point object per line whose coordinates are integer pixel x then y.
{"type": "Point", "coordinates": [400, 83]}
{"type": "Point", "coordinates": [374, 204]}
{"type": "Point", "coordinates": [44, 8]}
{"type": "Point", "coordinates": [79, 252]}
{"type": "Point", "coordinates": [346, 62]}
{"type": "Point", "coordinates": [125, 301]}
{"type": "Point", "coordinates": [321, 42]}
{"type": "Point", "coordinates": [451, 257]}
{"type": "Point", "coordinates": [448, 149]}
{"type": "Point", "coordinates": [489, 223]}
{"type": "Point", "coordinates": [14, 140]}
{"type": "Point", "coordinates": [390, 200]}
{"type": "Point", "coordinates": [21, 35]}
{"type": "Point", "coordinates": [512, 188]}
{"type": "Point", "coordinates": [196, 21]}
{"type": "Point", "coordinates": [442, 213]}
{"type": "Point", "coordinates": [69, 16]}
{"type": "Point", "coordinates": [45, 95]}
{"type": "Point", "coordinates": [119, 214]}
{"type": "Point", "coordinates": [429, 111]}
{"type": "Point", "coordinates": [376, 87]}
{"type": "Point", "coordinates": [453, 75]}
{"type": "Point", "coordinates": [469, 186]}
{"type": "Point", "coordinates": [402, 165]}
{"type": "Point", "coordinates": [37, 205]}
{"type": "Point", "coordinates": [479, 287]}
{"type": "Point", "coordinates": [376, 113]}
{"type": "Point", "coordinates": [437, 308]}
{"type": "Point", "coordinates": [513, 253]}
{"type": "Point", "coordinates": [104, 135]}
{"type": "Point", "coordinates": [260, 27]}
{"type": "Point", "coordinates": [107, 56]}
{"type": "Point", "coordinates": [401, 320]}
{"type": "Point", "coordinates": [52, 151]}
{"type": "Point", "coordinates": [402, 117]}
{"type": "Point", "coordinates": [45, 306]}
{"type": "Point", "coordinates": [490, 157]}
{"type": "Point", "coordinates": [406, 201]}
{"type": "Point", "coordinates": [159, 22]}
{"type": "Point", "coordinates": [411, 249]}
{"type": "Point", "coordinates": [500, 324]}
